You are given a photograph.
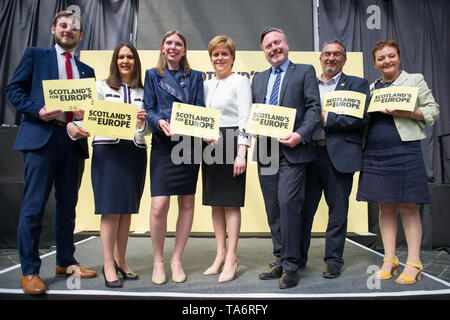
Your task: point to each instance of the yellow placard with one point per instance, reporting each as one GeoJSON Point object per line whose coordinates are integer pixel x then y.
{"type": "Point", "coordinates": [271, 121]}
{"type": "Point", "coordinates": [395, 98]}
{"type": "Point", "coordinates": [195, 121]}
{"type": "Point", "coordinates": [346, 102]}
{"type": "Point", "coordinates": [69, 95]}
{"type": "Point", "coordinates": [111, 119]}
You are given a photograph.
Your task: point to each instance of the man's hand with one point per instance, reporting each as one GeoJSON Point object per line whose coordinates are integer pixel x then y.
{"type": "Point", "coordinates": [291, 140]}
{"type": "Point", "coordinates": [45, 115]}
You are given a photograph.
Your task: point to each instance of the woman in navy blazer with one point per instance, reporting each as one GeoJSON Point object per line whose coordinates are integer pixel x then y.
{"type": "Point", "coordinates": [170, 81]}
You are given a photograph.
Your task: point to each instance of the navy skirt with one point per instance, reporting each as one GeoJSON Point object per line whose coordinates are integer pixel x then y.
{"type": "Point", "coordinates": [173, 165]}
{"type": "Point", "coordinates": [220, 188]}
{"type": "Point", "coordinates": [393, 171]}
{"type": "Point", "coordinates": [118, 177]}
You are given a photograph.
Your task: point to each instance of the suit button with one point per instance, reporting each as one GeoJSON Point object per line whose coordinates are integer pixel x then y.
{"type": "Point", "coordinates": [399, 126]}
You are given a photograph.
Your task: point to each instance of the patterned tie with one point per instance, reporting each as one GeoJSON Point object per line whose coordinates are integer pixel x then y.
{"type": "Point", "coordinates": [69, 114]}
{"type": "Point", "coordinates": [276, 87]}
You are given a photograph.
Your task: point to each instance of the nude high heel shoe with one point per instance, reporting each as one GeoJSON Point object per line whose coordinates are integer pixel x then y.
{"type": "Point", "coordinates": [225, 277]}
{"type": "Point", "coordinates": [178, 274]}
{"type": "Point", "coordinates": [159, 276]}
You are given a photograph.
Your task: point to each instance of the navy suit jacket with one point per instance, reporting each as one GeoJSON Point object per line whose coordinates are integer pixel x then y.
{"type": "Point", "coordinates": [299, 90]}
{"type": "Point", "coordinates": [26, 94]}
{"type": "Point", "coordinates": [344, 133]}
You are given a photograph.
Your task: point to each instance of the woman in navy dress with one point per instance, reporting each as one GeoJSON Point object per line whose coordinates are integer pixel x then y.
{"type": "Point", "coordinates": [119, 166]}
{"type": "Point", "coordinates": [170, 81]}
{"type": "Point", "coordinates": [393, 173]}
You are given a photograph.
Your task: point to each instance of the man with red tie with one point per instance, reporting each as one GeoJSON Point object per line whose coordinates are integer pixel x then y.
{"type": "Point", "coordinates": [51, 157]}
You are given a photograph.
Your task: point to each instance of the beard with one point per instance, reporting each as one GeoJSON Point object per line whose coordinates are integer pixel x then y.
{"type": "Point", "coordinates": [66, 44]}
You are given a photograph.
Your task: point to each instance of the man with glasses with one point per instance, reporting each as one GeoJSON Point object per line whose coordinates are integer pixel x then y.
{"type": "Point", "coordinates": [338, 148]}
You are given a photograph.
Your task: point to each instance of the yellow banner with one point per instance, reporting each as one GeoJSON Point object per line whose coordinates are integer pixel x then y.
{"type": "Point", "coordinates": [111, 119]}
{"type": "Point", "coordinates": [346, 102]}
{"type": "Point", "coordinates": [69, 95]}
{"type": "Point", "coordinates": [271, 121]}
{"type": "Point", "coordinates": [195, 121]}
{"type": "Point", "coordinates": [395, 98]}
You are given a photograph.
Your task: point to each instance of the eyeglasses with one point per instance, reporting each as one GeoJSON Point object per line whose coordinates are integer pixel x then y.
{"type": "Point", "coordinates": [337, 54]}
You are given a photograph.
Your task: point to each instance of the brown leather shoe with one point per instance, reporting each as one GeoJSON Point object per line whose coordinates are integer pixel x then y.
{"type": "Point", "coordinates": [76, 270]}
{"type": "Point", "coordinates": [32, 284]}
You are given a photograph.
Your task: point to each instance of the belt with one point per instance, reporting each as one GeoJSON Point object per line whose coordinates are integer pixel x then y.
{"type": "Point", "coordinates": [61, 123]}
{"type": "Point", "coordinates": [320, 143]}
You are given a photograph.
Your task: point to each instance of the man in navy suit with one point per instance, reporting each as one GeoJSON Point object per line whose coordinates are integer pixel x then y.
{"type": "Point", "coordinates": [337, 141]}
{"type": "Point", "coordinates": [50, 156]}
{"type": "Point", "coordinates": [283, 189]}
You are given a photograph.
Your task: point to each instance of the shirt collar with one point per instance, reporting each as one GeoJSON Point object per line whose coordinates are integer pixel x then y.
{"type": "Point", "coordinates": [333, 80]}
{"type": "Point", "coordinates": [283, 66]}
{"type": "Point", "coordinates": [60, 50]}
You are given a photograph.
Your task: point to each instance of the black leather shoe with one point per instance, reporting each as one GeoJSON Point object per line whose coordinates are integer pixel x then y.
{"type": "Point", "coordinates": [274, 272]}
{"type": "Point", "coordinates": [289, 279]}
{"type": "Point", "coordinates": [126, 276]}
{"type": "Point", "coordinates": [111, 284]}
{"type": "Point", "coordinates": [331, 271]}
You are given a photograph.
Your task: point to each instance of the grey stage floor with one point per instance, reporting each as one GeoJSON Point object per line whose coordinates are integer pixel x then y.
{"type": "Point", "coordinates": [357, 279]}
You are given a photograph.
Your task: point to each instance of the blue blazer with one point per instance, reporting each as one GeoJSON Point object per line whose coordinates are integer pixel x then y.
{"type": "Point", "coordinates": [299, 90]}
{"type": "Point", "coordinates": [161, 91]}
{"type": "Point", "coordinates": [344, 133]}
{"type": "Point", "coordinates": [26, 94]}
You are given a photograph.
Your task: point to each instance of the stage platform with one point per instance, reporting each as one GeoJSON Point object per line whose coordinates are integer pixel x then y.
{"type": "Point", "coordinates": [356, 282]}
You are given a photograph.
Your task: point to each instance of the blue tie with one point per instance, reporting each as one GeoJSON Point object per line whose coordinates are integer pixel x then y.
{"type": "Point", "coordinates": [276, 87]}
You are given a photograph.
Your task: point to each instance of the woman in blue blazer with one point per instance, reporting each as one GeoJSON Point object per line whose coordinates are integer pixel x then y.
{"type": "Point", "coordinates": [170, 81]}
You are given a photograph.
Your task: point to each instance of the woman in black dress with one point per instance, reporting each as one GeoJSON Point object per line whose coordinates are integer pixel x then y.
{"type": "Point", "coordinates": [393, 173]}
{"type": "Point", "coordinates": [170, 81]}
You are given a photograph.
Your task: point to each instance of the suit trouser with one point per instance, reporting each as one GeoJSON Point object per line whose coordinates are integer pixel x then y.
{"type": "Point", "coordinates": [336, 186]}
{"type": "Point", "coordinates": [284, 195]}
{"type": "Point", "coordinates": [59, 163]}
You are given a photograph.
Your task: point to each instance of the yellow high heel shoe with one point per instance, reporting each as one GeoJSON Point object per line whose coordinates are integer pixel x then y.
{"type": "Point", "coordinates": [384, 274]}
{"type": "Point", "coordinates": [406, 279]}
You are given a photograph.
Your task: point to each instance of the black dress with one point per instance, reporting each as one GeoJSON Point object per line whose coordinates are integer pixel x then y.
{"type": "Point", "coordinates": [220, 188]}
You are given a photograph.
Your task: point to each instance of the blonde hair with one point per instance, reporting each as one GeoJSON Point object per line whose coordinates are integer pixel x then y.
{"type": "Point", "coordinates": [161, 65]}
{"type": "Point", "coordinates": [222, 41]}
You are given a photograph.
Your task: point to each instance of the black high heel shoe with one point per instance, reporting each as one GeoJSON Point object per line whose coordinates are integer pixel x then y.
{"type": "Point", "coordinates": [126, 276]}
{"type": "Point", "coordinates": [111, 284]}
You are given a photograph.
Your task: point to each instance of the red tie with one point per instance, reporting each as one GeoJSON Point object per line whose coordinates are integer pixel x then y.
{"type": "Point", "coordinates": [69, 114]}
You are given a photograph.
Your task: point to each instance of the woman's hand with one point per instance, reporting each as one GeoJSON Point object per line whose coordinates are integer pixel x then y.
{"type": "Point", "coordinates": [141, 116]}
{"type": "Point", "coordinates": [415, 115]}
{"type": "Point", "coordinates": [165, 127]}
{"type": "Point", "coordinates": [76, 132]}
{"type": "Point", "coordinates": [240, 162]}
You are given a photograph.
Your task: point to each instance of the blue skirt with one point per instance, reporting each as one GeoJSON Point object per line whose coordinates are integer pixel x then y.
{"type": "Point", "coordinates": [118, 177]}
{"type": "Point", "coordinates": [174, 167]}
{"type": "Point", "coordinates": [393, 171]}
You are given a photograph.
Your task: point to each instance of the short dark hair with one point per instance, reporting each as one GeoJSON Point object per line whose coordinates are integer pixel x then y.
{"type": "Point", "coordinates": [385, 43]}
{"type": "Point", "coordinates": [271, 29]}
{"type": "Point", "coordinates": [65, 13]}
{"type": "Point", "coordinates": [114, 80]}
